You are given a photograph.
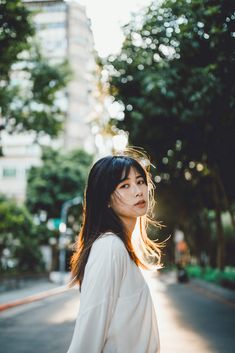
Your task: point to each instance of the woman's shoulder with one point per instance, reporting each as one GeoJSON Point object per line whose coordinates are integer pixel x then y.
{"type": "Point", "coordinates": [109, 251]}
{"type": "Point", "coordinates": [109, 241]}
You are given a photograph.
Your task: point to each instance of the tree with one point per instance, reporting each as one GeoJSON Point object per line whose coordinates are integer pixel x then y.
{"type": "Point", "coordinates": [19, 246]}
{"type": "Point", "coordinates": [27, 103]}
{"type": "Point", "coordinates": [173, 78]}
{"type": "Point", "coordinates": [16, 29]}
{"type": "Point", "coordinates": [61, 177]}
{"type": "Point", "coordinates": [34, 107]}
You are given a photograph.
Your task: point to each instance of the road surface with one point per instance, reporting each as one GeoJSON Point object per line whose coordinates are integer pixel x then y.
{"type": "Point", "coordinates": [190, 321]}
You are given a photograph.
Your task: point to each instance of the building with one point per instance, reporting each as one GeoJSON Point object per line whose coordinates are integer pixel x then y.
{"type": "Point", "coordinates": [20, 153]}
{"type": "Point", "coordinates": [64, 32]}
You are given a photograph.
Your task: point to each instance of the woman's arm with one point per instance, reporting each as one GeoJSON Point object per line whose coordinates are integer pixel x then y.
{"type": "Point", "coordinates": [99, 292]}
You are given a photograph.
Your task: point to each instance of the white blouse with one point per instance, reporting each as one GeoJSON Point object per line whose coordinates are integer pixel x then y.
{"type": "Point", "coordinates": [116, 313]}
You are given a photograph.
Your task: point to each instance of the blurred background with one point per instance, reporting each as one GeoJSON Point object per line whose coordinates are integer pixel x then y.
{"type": "Point", "coordinates": [82, 79]}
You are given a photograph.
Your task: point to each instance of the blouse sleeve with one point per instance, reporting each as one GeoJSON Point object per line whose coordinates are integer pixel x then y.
{"type": "Point", "coordinates": [99, 292]}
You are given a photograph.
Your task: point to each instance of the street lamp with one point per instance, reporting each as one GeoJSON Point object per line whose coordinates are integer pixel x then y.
{"type": "Point", "coordinates": [62, 235]}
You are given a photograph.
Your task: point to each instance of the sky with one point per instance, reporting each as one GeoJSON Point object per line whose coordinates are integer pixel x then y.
{"type": "Point", "coordinates": [107, 17]}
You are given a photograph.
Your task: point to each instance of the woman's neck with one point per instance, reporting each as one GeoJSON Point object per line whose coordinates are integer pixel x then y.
{"type": "Point", "coordinates": [129, 225]}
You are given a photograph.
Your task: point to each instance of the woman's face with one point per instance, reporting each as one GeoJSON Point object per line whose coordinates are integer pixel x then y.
{"type": "Point", "coordinates": [130, 198]}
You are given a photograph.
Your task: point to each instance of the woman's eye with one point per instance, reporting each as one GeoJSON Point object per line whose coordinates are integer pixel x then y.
{"type": "Point", "coordinates": [125, 186]}
{"type": "Point", "coordinates": [141, 181]}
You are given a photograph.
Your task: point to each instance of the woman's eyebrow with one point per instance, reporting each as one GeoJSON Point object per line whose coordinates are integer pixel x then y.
{"type": "Point", "coordinates": [127, 178]}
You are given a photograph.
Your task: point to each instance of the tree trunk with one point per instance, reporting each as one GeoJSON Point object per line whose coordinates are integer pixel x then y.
{"type": "Point", "coordinates": [219, 228]}
{"type": "Point", "coordinates": [225, 198]}
{"type": "Point", "coordinates": [207, 232]}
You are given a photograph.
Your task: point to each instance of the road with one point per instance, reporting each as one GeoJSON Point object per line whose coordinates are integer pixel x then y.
{"type": "Point", "coordinates": [41, 327]}
{"type": "Point", "coordinates": [190, 321]}
{"type": "Point", "coordinates": [193, 320]}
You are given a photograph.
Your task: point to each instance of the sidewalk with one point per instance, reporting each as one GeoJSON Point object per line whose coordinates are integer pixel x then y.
{"type": "Point", "coordinates": [37, 291]}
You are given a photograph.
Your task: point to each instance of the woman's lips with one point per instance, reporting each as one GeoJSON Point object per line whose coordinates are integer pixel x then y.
{"type": "Point", "coordinates": [141, 204]}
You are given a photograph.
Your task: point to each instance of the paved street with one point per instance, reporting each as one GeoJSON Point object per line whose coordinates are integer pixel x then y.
{"type": "Point", "coordinates": [41, 327]}
{"type": "Point", "coordinates": [191, 320]}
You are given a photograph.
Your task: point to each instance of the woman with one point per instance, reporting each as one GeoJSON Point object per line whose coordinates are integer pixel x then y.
{"type": "Point", "coordinates": [116, 313]}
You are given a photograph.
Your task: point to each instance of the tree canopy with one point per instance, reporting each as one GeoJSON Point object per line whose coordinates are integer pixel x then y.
{"type": "Point", "coordinates": [29, 84]}
{"type": "Point", "coordinates": [16, 30]}
{"type": "Point", "coordinates": [61, 177]}
{"type": "Point", "coordinates": [173, 78]}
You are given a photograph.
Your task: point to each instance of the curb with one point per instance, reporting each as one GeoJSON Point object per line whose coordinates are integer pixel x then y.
{"type": "Point", "coordinates": [34, 297]}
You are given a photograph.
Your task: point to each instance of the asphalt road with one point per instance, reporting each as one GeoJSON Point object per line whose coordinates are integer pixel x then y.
{"type": "Point", "coordinates": [190, 321]}
{"type": "Point", "coordinates": [193, 319]}
{"type": "Point", "coordinates": [44, 326]}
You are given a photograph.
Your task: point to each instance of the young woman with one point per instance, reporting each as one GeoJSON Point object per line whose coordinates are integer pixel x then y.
{"type": "Point", "coordinates": [116, 313]}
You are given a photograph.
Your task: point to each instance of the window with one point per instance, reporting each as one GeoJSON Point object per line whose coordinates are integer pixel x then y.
{"type": "Point", "coordinates": [54, 7]}
{"type": "Point", "coordinates": [9, 172]}
{"type": "Point", "coordinates": [52, 25]}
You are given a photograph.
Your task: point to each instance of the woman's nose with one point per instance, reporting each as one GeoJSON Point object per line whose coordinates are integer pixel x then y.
{"type": "Point", "coordinates": [138, 191]}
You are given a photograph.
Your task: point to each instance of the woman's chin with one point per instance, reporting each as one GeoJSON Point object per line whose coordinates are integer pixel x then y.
{"type": "Point", "coordinates": [141, 212]}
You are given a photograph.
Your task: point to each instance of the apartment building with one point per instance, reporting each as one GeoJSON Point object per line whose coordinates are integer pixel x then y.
{"type": "Point", "coordinates": [64, 32]}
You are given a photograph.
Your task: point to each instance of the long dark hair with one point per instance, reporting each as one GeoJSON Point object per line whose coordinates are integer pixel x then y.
{"type": "Point", "coordinates": [98, 218]}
